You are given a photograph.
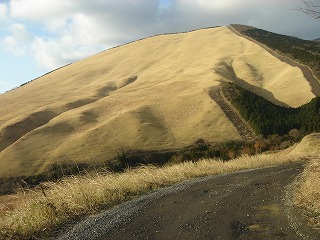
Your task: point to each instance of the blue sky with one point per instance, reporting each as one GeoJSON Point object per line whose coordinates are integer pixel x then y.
{"type": "Point", "coordinates": [39, 36]}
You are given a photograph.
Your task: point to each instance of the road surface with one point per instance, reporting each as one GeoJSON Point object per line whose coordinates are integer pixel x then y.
{"type": "Point", "coordinates": [252, 204]}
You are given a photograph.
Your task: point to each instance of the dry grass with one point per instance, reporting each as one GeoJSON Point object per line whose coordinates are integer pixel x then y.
{"type": "Point", "coordinates": [75, 196]}
{"type": "Point", "coordinates": [307, 192]}
{"type": "Point", "coordinates": [166, 107]}
{"type": "Point", "coordinates": [10, 202]}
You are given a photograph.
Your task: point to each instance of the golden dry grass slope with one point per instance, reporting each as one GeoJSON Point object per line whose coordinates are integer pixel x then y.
{"type": "Point", "coordinates": [150, 94]}
{"type": "Point", "coordinates": [307, 189]}
{"type": "Point", "coordinates": [310, 145]}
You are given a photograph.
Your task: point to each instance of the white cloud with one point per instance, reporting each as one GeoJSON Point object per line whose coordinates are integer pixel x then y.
{"type": "Point", "coordinates": [47, 53]}
{"type": "Point", "coordinates": [18, 40]}
{"type": "Point", "coordinates": [36, 10]}
{"type": "Point", "coordinates": [210, 5]}
{"type": "Point", "coordinates": [3, 10]}
{"type": "Point", "coordinates": [3, 14]}
{"type": "Point", "coordinates": [19, 31]}
{"type": "Point", "coordinates": [76, 29]}
{"type": "Point", "coordinates": [57, 32]}
{"type": "Point", "coordinates": [53, 53]}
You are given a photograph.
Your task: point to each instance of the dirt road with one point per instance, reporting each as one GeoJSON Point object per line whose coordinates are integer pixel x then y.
{"type": "Point", "coordinates": [251, 204]}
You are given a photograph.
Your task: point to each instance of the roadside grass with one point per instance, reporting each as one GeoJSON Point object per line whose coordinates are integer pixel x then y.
{"type": "Point", "coordinates": [53, 204]}
{"type": "Point", "coordinates": [307, 192]}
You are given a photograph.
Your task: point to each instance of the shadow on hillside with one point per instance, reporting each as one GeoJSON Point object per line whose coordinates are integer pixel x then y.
{"type": "Point", "coordinates": [12, 133]}
{"type": "Point", "coordinates": [227, 72]}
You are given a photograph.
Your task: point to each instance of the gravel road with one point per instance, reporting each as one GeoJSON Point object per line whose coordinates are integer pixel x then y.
{"type": "Point", "coordinates": [254, 204]}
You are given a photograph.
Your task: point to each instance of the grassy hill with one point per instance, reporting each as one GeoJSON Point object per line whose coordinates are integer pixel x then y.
{"type": "Point", "coordinates": [150, 95]}
{"type": "Point", "coordinates": [304, 51]}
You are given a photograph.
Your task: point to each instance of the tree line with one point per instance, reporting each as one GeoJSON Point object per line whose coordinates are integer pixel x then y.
{"type": "Point", "coordinates": [267, 118]}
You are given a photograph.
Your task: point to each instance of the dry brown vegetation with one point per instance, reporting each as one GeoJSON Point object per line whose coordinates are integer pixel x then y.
{"type": "Point", "coordinates": [307, 191]}
{"type": "Point", "coordinates": [307, 195]}
{"type": "Point", "coordinates": [137, 96]}
{"type": "Point", "coordinates": [71, 197]}
{"type": "Point", "coordinates": [150, 95]}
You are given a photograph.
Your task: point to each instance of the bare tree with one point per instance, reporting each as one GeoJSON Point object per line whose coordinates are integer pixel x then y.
{"type": "Point", "coordinates": [311, 8]}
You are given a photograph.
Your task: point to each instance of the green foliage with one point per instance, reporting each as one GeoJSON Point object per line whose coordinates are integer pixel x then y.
{"type": "Point", "coordinates": [134, 158]}
{"type": "Point", "coordinates": [267, 118]}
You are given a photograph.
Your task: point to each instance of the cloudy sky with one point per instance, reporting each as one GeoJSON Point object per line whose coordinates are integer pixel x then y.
{"type": "Point", "coordinates": [37, 36]}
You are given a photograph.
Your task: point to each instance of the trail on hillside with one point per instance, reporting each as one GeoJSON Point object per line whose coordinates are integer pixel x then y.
{"type": "Point", "coordinates": [254, 204]}
{"type": "Point", "coordinates": [239, 123]}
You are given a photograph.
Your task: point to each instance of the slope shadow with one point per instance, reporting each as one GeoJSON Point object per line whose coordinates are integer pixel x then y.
{"type": "Point", "coordinates": [247, 32]}
{"type": "Point", "coordinates": [13, 132]}
{"type": "Point", "coordinates": [227, 71]}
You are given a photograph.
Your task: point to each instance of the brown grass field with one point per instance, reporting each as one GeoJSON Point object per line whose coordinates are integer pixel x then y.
{"type": "Point", "coordinates": [307, 191]}
{"type": "Point", "coordinates": [151, 94]}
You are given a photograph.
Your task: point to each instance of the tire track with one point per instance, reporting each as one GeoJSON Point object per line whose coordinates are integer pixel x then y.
{"type": "Point", "coordinates": [239, 123]}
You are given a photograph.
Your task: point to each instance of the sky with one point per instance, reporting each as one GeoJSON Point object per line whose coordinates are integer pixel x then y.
{"type": "Point", "coordinates": [37, 36]}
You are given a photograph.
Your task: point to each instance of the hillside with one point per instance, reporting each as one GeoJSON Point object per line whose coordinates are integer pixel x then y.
{"type": "Point", "coordinates": [151, 94]}
{"type": "Point", "coordinates": [303, 51]}
{"type": "Point", "coordinates": [309, 145]}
